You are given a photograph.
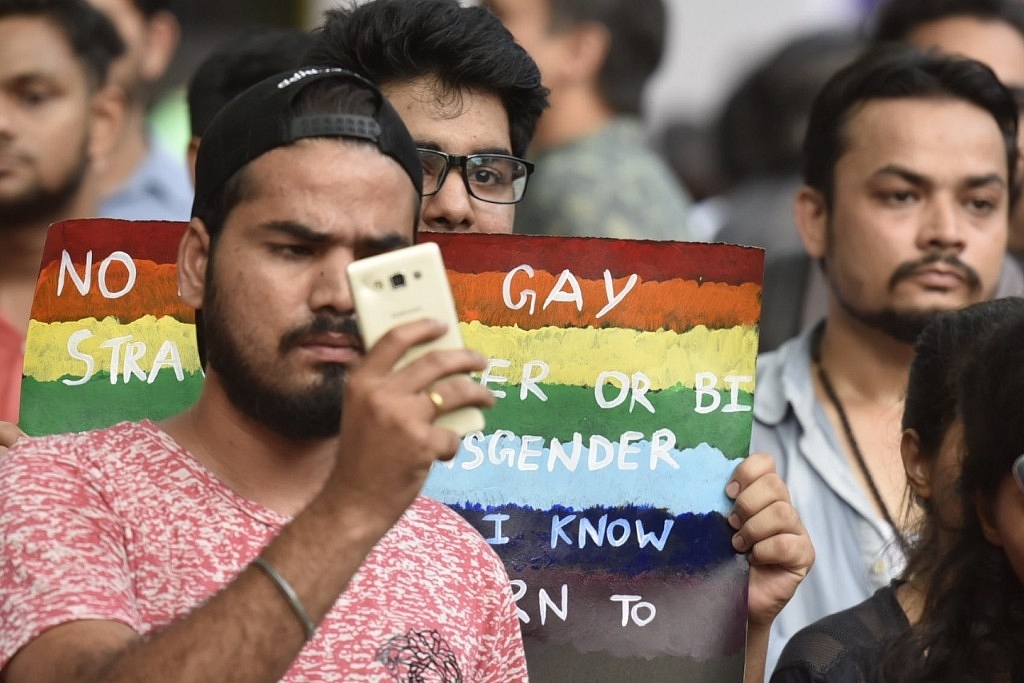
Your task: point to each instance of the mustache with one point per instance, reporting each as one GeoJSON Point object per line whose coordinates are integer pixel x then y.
{"type": "Point", "coordinates": [321, 324]}
{"type": "Point", "coordinates": [910, 268]}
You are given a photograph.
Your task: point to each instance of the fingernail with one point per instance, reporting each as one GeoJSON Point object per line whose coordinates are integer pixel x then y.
{"type": "Point", "coordinates": [732, 489]}
{"type": "Point", "coordinates": [737, 542]}
{"type": "Point", "coordinates": [734, 521]}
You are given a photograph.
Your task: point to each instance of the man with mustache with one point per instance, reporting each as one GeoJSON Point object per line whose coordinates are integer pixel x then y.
{"type": "Point", "coordinates": [273, 531]}
{"type": "Point", "coordinates": [909, 170]}
{"type": "Point", "coordinates": [58, 117]}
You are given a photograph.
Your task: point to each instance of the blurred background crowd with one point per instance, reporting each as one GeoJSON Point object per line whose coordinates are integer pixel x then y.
{"type": "Point", "coordinates": [712, 49]}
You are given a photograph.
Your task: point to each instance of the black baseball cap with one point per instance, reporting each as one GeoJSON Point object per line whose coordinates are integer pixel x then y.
{"type": "Point", "coordinates": [261, 119]}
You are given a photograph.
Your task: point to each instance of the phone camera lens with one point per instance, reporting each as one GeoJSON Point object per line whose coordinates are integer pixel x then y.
{"type": "Point", "coordinates": [397, 280]}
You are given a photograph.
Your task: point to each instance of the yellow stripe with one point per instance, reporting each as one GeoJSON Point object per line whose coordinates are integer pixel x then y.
{"type": "Point", "coordinates": [577, 356]}
{"type": "Point", "coordinates": [573, 356]}
{"type": "Point", "coordinates": [48, 357]}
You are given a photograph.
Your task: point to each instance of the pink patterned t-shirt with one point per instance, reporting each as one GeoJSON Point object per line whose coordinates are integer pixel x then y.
{"type": "Point", "coordinates": [122, 524]}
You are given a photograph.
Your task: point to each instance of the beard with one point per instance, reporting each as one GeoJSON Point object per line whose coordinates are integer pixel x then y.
{"type": "Point", "coordinates": [906, 325]}
{"type": "Point", "coordinates": [305, 414]}
{"type": "Point", "coordinates": [39, 205]}
{"type": "Point", "coordinates": [903, 326]}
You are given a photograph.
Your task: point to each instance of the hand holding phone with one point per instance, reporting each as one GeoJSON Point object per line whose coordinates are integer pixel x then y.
{"type": "Point", "coordinates": [405, 285]}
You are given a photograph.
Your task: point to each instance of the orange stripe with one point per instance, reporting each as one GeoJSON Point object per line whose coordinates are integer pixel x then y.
{"type": "Point", "coordinates": [676, 305]}
{"type": "Point", "coordinates": [155, 293]}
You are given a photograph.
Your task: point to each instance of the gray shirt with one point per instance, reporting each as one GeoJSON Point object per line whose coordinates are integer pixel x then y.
{"type": "Point", "coordinates": [855, 549]}
{"type": "Point", "coordinates": [159, 190]}
{"type": "Point", "coordinates": [607, 184]}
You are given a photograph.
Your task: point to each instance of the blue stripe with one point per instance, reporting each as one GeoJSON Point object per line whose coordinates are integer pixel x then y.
{"type": "Point", "coordinates": [492, 471]}
{"type": "Point", "coordinates": [624, 541]}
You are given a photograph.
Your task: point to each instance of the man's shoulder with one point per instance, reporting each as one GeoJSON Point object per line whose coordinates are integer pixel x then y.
{"type": "Point", "coordinates": [85, 451]}
{"type": "Point", "coordinates": [429, 519]}
{"type": "Point", "coordinates": [158, 189]}
{"type": "Point", "coordinates": [114, 433]}
{"type": "Point", "coordinates": [440, 519]}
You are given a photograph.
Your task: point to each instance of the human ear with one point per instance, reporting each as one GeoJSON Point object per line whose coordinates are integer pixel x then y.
{"type": "Point", "coordinates": [916, 465]}
{"type": "Point", "coordinates": [107, 109]}
{"type": "Point", "coordinates": [163, 33]}
{"type": "Point", "coordinates": [193, 260]}
{"type": "Point", "coordinates": [191, 153]}
{"type": "Point", "coordinates": [810, 212]}
{"type": "Point", "coordinates": [588, 44]}
{"type": "Point", "coordinates": [985, 509]}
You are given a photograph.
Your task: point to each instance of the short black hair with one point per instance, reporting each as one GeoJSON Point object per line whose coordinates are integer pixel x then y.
{"type": "Point", "coordinates": [91, 35]}
{"type": "Point", "coordinates": [637, 29]}
{"type": "Point", "coordinates": [897, 19]}
{"type": "Point", "coordinates": [465, 48]}
{"type": "Point", "coordinates": [895, 71]}
{"type": "Point", "coordinates": [239, 62]}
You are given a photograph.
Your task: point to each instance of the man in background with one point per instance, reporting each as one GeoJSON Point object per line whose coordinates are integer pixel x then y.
{"type": "Point", "coordinates": [468, 93]}
{"type": "Point", "coordinates": [143, 181]}
{"type": "Point", "coordinates": [991, 31]}
{"type": "Point", "coordinates": [596, 175]}
{"type": "Point", "coordinates": [58, 120]}
{"type": "Point", "coordinates": [909, 168]}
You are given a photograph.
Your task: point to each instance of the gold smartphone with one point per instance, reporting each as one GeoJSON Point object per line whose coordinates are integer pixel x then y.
{"type": "Point", "coordinates": [405, 285]}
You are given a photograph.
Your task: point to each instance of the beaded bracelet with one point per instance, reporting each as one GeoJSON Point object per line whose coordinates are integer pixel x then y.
{"type": "Point", "coordinates": [289, 595]}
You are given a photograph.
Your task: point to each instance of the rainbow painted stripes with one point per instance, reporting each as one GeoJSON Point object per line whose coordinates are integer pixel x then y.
{"type": "Point", "coordinates": [109, 339]}
{"type": "Point", "coordinates": [625, 375]}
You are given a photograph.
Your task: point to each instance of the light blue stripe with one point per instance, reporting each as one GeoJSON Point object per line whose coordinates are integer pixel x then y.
{"type": "Point", "coordinates": [475, 477]}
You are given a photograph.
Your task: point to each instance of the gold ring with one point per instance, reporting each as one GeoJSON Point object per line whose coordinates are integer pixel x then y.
{"type": "Point", "coordinates": [437, 400]}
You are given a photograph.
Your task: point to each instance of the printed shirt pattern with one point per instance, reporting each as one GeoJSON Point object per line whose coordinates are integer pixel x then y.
{"type": "Point", "coordinates": [122, 524]}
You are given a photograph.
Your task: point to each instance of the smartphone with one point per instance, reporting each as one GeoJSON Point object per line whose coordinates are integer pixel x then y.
{"type": "Point", "coordinates": [405, 285]}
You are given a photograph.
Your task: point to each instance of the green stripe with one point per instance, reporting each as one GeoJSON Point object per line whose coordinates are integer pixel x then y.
{"type": "Point", "coordinates": [572, 409]}
{"type": "Point", "coordinates": [53, 407]}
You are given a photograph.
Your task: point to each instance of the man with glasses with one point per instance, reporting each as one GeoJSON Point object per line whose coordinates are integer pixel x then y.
{"type": "Point", "coordinates": [495, 178]}
{"type": "Point", "coordinates": [468, 93]}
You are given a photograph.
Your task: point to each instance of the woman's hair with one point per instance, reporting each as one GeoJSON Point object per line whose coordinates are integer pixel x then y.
{"type": "Point", "coordinates": [930, 407]}
{"type": "Point", "coordinates": [972, 626]}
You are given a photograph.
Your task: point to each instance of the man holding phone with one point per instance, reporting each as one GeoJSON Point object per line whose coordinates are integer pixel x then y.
{"type": "Point", "coordinates": [274, 530]}
{"type": "Point", "coordinates": [267, 533]}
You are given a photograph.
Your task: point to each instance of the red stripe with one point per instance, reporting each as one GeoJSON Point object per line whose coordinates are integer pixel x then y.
{"type": "Point", "coordinates": [155, 241]}
{"type": "Point", "coordinates": [589, 257]}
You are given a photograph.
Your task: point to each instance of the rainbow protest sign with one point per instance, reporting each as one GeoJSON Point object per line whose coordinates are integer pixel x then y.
{"type": "Point", "coordinates": [109, 339]}
{"type": "Point", "coordinates": [624, 372]}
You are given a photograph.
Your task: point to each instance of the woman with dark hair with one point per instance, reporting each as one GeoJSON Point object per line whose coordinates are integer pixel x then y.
{"type": "Point", "coordinates": [851, 646]}
{"type": "Point", "coordinates": [972, 624]}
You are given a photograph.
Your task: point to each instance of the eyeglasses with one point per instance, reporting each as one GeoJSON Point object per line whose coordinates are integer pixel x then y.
{"type": "Point", "coordinates": [495, 178]}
